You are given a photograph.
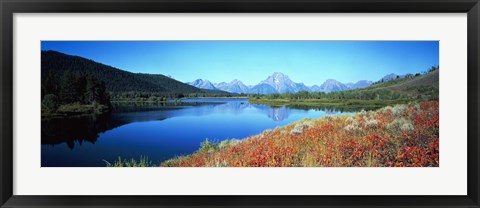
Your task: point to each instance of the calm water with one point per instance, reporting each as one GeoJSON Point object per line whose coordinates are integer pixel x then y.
{"type": "Point", "coordinates": [159, 132]}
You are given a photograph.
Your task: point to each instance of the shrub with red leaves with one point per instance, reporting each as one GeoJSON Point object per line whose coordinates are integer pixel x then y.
{"type": "Point", "coordinates": [398, 136]}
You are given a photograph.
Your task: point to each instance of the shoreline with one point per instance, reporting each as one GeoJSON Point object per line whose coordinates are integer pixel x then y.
{"type": "Point", "coordinates": [72, 110]}
{"type": "Point", "coordinates": [344, 103]}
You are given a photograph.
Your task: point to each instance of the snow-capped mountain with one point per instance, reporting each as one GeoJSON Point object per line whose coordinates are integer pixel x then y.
{"type": "Point", "coordinates": [203, 84]}
{"type": "Point", "coordinates": [263, 88]}
{"type": "Point", "coordinates": [315, 88]}
{"type": "Point", "coordinates": [359, 84]}
{"type": "Point", "coordinates": [302, 87]}
{"type": "Point", "coordinates": [281, 83]}
{"type": "Point", "coordinates": [235, 86]}
{"type": "Point", "coordinates": [332, 85]}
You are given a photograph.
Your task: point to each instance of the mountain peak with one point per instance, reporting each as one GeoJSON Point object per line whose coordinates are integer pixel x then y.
{"type": "Point", "coordinates": [279, 76]}
{"type": "Point", "coordinates": [198, 80]}
{"type": "Point", "coordinates": [281, 83]}
{"type": "Point", "coordinates": [390, 76]}
{"type": "Point", "coordinates": [203, 84]}
{"type": "Point", "coordinates": [278, 73]}
{"type": "Point", "coordinates": [331, 80]}
{"type": "Point", "coordinates": [359, 84]}
{"type": "Point", "coordinates": [331, 85]}
{"type": "Point", "coordinates": [278, 82]}
{"type": "Point", "coordinates": [235, 86]}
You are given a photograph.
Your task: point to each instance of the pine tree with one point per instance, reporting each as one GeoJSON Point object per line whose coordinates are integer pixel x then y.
{"type": "Point", "coordinates": [91, 92]}
{"type": "Point", "coordinates": [68, 88]}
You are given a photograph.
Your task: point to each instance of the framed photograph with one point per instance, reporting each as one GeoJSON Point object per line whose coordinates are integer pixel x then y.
{"type": "Point", "coordinates": [265, 103]}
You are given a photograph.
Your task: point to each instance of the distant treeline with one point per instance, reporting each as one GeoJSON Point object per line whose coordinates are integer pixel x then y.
{"type": "Point", "coordinates": [426, 92]}
{"type": "Point", "coordinates": [164, 96]}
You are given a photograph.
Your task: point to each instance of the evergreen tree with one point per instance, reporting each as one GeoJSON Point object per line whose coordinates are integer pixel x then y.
{"type": "Point", "coordinates": [91, 92]}
{"type": "Point", "coordinates": [50, 103]}
{"type": "Point", "coordinates": [69, 88]}
{"type": "Point", "coordinates": [50, 84]}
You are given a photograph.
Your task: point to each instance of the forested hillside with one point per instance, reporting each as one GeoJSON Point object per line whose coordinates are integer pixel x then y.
{"type": "Point", "coordinates": [119, 83]}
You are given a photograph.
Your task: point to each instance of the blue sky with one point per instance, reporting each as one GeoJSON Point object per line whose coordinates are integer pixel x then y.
{"type": "Point", "coordinates": [310, 62]}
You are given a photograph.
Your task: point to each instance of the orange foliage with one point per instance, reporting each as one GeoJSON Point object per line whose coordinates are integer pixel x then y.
{"type": "Point", "coordinates": [408, 137]}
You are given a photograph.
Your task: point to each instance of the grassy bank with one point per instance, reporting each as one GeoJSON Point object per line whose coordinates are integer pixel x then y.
{"type": "Point", "coordinates": [75, 109]}
{"type": "Point", "coordinates": [132, 163]}
{"type": "Point", "coordinates": [329, 103]}
{"type": "Point", "coordinates": [403, 135]}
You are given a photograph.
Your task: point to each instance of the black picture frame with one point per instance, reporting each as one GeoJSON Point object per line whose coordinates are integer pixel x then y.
{"type": "Point", "coordinates": [10, 7]}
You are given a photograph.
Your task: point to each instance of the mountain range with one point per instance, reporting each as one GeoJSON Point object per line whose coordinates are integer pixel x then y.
{"type": "Point", "coordinates": [281, 83]}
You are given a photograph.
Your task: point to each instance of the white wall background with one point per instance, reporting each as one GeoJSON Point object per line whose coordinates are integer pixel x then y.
{"type": "Point", "coordinates": [448, 179]}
